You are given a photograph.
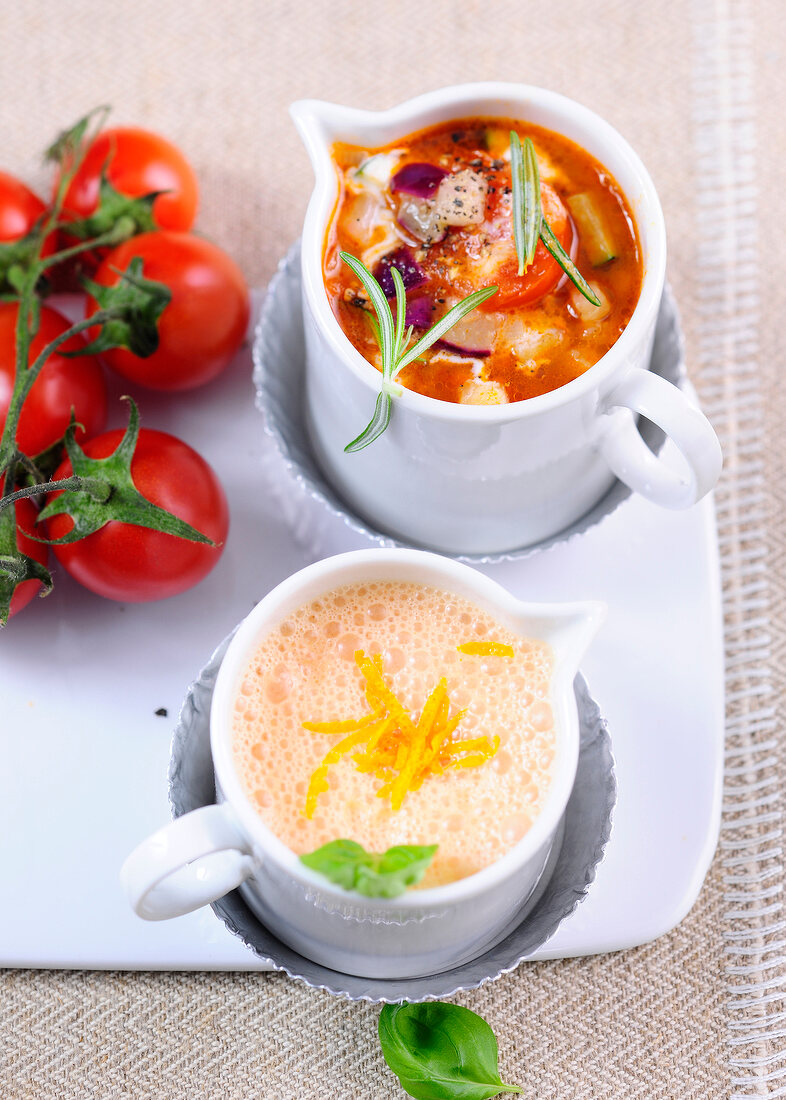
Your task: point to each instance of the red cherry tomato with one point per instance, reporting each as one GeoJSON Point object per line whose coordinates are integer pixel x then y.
{"type": "Point", "coordinates": [20, 209]}
{"type": "Point", "coordinates": [134, 564]}
{"type": "Point", "coordinates": [63, 384]}
{"type": "Point", "coordinates": [25, 518]}
{"type": "Point", "coordinates": [136, 162]}
{"type": "Point", "coordinates": [543, 273]}
{"type": "Point", "coordinates": [202, 326]}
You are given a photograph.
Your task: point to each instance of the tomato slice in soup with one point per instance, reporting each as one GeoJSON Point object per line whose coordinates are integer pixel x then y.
{"type": "Point", "coordinates": [497, 262]}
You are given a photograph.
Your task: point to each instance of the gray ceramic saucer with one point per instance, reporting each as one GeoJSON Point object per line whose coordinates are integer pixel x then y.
{"type": "Point", "coordinates": [279, 367]}
{"type": "Point", "coordinates": [587, 826]}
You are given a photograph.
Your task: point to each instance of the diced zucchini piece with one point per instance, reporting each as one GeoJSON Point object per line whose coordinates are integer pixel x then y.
{"type": "Point", "coordinates": [594, 231]}
{"type": "Point", "coordinates": [497, 141]}
{"type": "Point", "coordinates": [378, 168]}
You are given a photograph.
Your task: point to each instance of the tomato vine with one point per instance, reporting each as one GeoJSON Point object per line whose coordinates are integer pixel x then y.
{"type": "Point", "coordinates": [127, 316]}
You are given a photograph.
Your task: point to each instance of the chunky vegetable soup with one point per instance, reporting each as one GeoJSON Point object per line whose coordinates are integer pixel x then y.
{"type": "Point", "coordinates": [437, 206]}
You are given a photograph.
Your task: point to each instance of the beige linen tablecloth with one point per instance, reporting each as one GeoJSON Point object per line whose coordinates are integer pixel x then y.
{"type": "Point", "coordinates": [698, 89]}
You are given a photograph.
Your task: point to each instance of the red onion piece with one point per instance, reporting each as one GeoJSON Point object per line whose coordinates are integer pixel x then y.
{"type": "Point", "coordinates": [472, 353]}
{"type": "Point", "coordinates": [418, 179]}
{"type": "Point", "coordinates": [403, 260]}
{"type": "Point", "coordinates": [420, 313]}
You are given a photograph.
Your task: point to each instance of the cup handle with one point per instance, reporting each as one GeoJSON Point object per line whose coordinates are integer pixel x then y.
{"type": "Point", "coordinates": [629, 457]}
{"type": "Point", "coordinates": [194, 860]}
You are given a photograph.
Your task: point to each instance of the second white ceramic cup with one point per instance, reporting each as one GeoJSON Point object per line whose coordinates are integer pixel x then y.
{"type": "Point", "coordinates": [204, 854]}
{"type": "Point", "coordinates": [485, 479]}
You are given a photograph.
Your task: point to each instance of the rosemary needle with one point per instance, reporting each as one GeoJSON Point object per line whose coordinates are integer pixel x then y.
{"type": "Point", "coordinates": [393, 339]}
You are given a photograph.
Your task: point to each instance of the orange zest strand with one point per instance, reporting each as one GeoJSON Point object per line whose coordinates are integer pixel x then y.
{"type": "Point", "coordinates": [318, 783]}
{"type": "Point", "coordinates": [400, 751]}
{"type": "Point", "coordinates": [415, 751]}
{"type": "Point", "coordinates": [380, 691]}
{"type": "Point", "coordinates": [348, 725]}
{"type": "Point", "coordinates": [486, 649]}
{"type": "Point", "coordinates": [376, 735]}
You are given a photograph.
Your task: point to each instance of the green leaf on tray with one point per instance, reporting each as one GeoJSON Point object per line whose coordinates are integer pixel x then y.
{"type": "Point", "coordinates": [374, 875]}
{"type": "Point", "coordinates": [441, 1051]}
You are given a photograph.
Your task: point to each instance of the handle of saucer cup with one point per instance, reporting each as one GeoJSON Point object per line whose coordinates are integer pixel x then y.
{"type": "Point", "coordinates": [629, 457]}
{"type": "Point", "coordinates": [194, 860]}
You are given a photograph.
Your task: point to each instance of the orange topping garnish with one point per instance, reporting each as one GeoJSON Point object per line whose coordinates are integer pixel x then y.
{"type": "Point", "coordinates": [347, 726]}
{"type": "Point", "coordinates": [399, 751]}
{"type": "Point", "coordinates": [486, 649]}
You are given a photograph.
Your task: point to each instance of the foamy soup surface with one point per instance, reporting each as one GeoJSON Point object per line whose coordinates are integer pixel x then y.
{"type": "Point", "coordinates": [307, 670]}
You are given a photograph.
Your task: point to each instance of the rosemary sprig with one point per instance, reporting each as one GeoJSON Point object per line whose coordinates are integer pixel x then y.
{"type": "Point", "coordinates": [393, 340]}
{"type": "Point", "coordinates": [528, 220]}
{"type": "Point", "coordinates": [526, 199]}
{"type": "Point", "coordinates": [438, 330]}
{"type": "Point", "coordinates": [567, 265]}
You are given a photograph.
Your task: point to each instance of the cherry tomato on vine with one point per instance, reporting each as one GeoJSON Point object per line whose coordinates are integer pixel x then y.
{"type": "Point", "coordinates": [203, 325]}
{"type": "Point", "coordinates": [63, 384]}
{"type": "Point", "coordinates": [136, 162]}
{"type": "Point", "coordinates": [134, 564]}
{"type": "Point", "coordinates": [25, 518]}
{"type": "Point", "coordinates": [20, 209]}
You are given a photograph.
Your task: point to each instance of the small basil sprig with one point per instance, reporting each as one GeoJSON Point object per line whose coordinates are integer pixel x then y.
{"type": "Point", "coordinates": [529, 224]}
{"type": "Point", "coordinates": [385, 875]}
{"type": "Point", "coordinates": [393, 340]}
{"type": "Point", "coordinates": [441, 1051]}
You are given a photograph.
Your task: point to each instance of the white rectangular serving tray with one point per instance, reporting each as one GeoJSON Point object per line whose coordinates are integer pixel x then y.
{"type": "Point", "coordinates": [85, 755]}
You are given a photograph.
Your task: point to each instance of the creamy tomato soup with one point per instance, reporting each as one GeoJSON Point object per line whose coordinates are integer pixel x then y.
{"type": "Point", "coordinates": [314, 757]}
{"type": "Point", "coordinates": [437, 205]}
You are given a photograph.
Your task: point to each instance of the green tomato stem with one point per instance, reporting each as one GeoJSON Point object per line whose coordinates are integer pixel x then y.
{"type": "Point", "coordinates": [109, 237]}
{"type": "Point", "coordinates": [25, 379]}
{"type": "Point", "coordinates": [95, 487]}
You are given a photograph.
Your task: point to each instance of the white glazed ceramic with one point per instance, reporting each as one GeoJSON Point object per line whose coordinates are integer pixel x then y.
{"type": "Point", "coordinates": [204, 854]}
{"type": "Point", "coordinates": [484, 479]}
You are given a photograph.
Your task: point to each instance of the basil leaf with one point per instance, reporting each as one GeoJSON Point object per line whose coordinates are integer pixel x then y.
{"type": "Point", "coordinates": [395, 870]}
{"type": "Point", "coordinates": [374, 875]}
{"type": "Point", "coordinates": [441, 1051]}
{"type": "Point", "coordinates": [337, 861]}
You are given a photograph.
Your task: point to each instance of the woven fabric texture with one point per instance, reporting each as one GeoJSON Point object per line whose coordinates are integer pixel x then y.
{"type": "Point", "coordinates": [698, 1013]}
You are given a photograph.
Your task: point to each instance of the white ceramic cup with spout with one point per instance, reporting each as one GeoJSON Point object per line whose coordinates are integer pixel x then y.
{"type": "Point", "coordinates": [204, 854]}
{"type": "Point", "coordinates": [485, 479]}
